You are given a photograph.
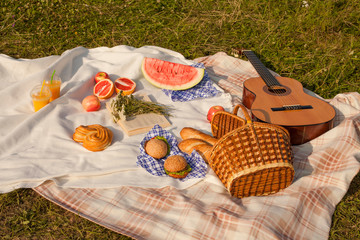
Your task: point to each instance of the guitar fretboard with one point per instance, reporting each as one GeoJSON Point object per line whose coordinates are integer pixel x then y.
{"type": "Point", "coordinates": [260, 68]}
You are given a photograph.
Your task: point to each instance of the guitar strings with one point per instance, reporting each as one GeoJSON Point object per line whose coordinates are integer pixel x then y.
{"type": "Point", "coordinates": [264, 73]}
{"type": "Point", "coordinates": [288, 101]}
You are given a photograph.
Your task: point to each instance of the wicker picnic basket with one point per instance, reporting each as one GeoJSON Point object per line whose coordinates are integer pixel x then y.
{"type": "Point", "coordinates": [250, 158]}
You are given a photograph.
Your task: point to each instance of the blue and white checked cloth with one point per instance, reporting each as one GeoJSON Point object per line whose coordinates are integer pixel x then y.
{"type": "Point", "coordinates": [156, 167]}
{"type": "Point", "coordinates": [203, 89]}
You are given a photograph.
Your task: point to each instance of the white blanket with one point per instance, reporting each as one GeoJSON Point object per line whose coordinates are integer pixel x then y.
{"type": "Point", "coordinates": [35, 147]}
{"type": "Point", "coordinates": [324, 168]}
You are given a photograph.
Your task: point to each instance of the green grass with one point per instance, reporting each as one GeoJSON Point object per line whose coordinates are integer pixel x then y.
{"type": "Point", "coordinates": [317, 45]}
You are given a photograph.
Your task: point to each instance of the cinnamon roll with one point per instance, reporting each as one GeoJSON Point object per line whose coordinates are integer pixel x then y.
{"type": "Point", "coordinates": [93, 137]}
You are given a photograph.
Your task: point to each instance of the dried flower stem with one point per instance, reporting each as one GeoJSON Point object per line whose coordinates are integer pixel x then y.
{"type": "Point", "coordinates": [128, 106]}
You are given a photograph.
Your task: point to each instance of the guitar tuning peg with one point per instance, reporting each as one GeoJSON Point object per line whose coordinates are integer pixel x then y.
{"type": "Point", "coordinates": [235, 52]}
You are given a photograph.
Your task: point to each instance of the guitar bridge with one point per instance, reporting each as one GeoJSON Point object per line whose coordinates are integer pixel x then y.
{"type": "Point", "coordinates": [292, 107]}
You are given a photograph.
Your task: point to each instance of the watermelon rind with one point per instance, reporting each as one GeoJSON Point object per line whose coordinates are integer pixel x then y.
{"type": "Point", "coordinates": [170, 75]}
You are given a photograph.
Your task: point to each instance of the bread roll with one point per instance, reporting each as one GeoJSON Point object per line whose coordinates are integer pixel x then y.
{"type": "Point", "coordinates": [204, 150]}
{"type": "Point", "coordinates": [99, 139]}
{"type": "Point", "coordinates": [80, 133]}
{"type": "Point", "coordinates": [176, 166]}
{"type": "Point", "coordinates": [188, 132]}
{"type": "Point", "coordinates": [187, 145]}
{"type": "Point", "coordinates": [93, 137]}
{"type": "Point", "coordinates": [156, 148]}
{"type": "Point", "coordinates": [202, 147]}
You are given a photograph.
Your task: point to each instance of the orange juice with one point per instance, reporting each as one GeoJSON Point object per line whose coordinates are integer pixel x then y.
{"type": "Point", "coordinates": [54, 87]}
{"type": "Point", "coordinates": [40, 97]}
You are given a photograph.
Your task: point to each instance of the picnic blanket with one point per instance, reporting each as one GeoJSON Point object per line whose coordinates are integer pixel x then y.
{"type": "Point", "coordinates": [38, 146]}
{"type": "Point", "coordinates": [323, 167]}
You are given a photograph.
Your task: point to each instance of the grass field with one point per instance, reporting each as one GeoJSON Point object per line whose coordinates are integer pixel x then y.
{"type": "Point", "coordinates": [316, 42]}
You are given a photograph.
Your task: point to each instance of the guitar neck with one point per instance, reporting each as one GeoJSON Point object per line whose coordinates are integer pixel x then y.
{"type": "Point", "coordinates": [260, 68]}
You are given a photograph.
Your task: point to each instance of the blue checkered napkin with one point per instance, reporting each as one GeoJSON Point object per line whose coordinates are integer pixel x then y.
{"type": "Point", "coordinates": [203, 89]}
{"type": "Point", "coordinates": [156, 167]}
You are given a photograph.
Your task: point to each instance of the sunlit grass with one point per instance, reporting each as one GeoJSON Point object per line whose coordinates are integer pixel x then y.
{"type": "Point", "coordinates": [315, 42]}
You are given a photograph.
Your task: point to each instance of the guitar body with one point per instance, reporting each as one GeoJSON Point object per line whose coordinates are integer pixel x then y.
{"type": "Point", "coordinates": [310, 117]}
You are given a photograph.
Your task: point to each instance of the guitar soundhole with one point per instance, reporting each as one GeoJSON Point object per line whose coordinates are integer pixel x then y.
{"type": "Point", "coordinates": [277, 90]}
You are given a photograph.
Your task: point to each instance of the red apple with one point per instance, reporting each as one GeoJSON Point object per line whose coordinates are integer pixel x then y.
{"type": "Point", "coordinates": [101, 76]}
{"type": "Point", "coordinates": [213, 110]}
{"type": "Point", "coordinates": [91, 103]}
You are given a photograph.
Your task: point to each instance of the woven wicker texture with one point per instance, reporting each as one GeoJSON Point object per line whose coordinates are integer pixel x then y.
{"type": "Point", "coordinates": [224, 122]}
{"type": "Point", "coordinates": [253, 159]}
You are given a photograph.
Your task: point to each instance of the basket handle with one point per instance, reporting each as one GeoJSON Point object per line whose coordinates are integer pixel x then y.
{"type": "Point", "coordinates": [236, 109]}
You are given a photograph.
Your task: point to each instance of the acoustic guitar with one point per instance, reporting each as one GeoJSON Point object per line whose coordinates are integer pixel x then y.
{"type": "Point", "coordinates": [282, 101]}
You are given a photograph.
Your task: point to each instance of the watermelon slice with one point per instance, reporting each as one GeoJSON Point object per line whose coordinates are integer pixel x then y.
{"type": "Point", "coordinates": [169, 75]}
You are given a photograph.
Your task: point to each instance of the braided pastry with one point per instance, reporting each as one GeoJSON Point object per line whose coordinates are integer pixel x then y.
{"type": "Point", "coordinates": [93, 137]}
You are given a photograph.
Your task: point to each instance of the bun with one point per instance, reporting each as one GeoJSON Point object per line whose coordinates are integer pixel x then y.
{"type": "Point", "coordinates": [176, 164]}
{"type": "Point", "coordinates": [187, 145]}
{"type": "Point", "coordinates": [188, 132]}
{"type": "Point", "coordinates": [80, 133]}
{"type": "Point", "coordinates": [202, 147]}
{"type": "Point", "coordinates": [93, 137]}
{"type": "Point", "coordinates": [204, 150]}
{"type": "Point", "coordinates": [156, 148]}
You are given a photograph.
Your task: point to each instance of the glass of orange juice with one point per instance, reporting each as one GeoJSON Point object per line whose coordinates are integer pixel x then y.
{"type": "Point", "coordinates": [54, 85]}
{"type": "Point", "coordinates": [40, 96]}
